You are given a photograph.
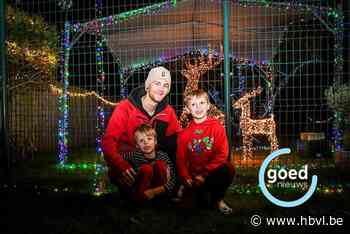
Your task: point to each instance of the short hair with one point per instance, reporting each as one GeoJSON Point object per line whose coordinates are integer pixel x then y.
{"type": "Point", "coordinates": [146, 129]}
{"type": "Point", "coordinates": [196, 93]}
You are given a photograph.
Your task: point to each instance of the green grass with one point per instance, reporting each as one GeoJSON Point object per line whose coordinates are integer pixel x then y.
{"type": "Point", "coordinates": [49, 212]}
{"type": "Point", "coordinates": [80, 174]}
{"type": "Point", "coordinates": [42, 197]}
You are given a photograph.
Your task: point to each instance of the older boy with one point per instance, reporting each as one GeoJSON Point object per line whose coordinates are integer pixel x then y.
{"type": "Point", "coordinates": [155, 172]}
{"type": "Point", "coordinates": [203, 152]}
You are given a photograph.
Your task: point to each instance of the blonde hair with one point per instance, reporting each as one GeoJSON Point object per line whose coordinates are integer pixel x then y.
{"type": "Point", "coordinates": [196, 93]}
{"type": "Point", "coordinates": [146, 129]}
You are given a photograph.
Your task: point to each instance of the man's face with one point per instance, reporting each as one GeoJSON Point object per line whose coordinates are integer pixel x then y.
{"type": "Point", "coordinates": [146, 142]}
{"type": "Point", "coordinates": [158, 89]}
{"type": "Point", "coordinates": [198, 107]}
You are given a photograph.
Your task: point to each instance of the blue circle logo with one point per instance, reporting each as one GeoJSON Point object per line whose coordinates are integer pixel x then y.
{"type": "Point", "coordinates": [275, 200]}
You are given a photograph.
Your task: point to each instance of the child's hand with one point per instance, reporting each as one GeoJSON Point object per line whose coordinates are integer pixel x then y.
{"type": "Point", "coordinates": [128, 177]}
{"type": "Point", "coordinates": [199, 180]}
{"type": "Point", "coordinates": [188, 183]}
{"type": "Point", "coordinates": [149, 194]}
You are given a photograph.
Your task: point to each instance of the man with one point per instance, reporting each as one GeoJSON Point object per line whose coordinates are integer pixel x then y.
{"type": "Point", "coordinates": [145, 105]}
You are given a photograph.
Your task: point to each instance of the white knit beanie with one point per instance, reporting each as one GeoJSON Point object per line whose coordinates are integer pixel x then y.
{"type": "Point", "coordinates": [157, 73]}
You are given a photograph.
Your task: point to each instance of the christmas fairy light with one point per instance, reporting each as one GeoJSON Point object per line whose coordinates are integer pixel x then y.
{"type": "Point", "coordinates": [338, 75]}
{"type": "Point", "coordinates": [58, 91]}
{"type": "Point", "coordinates": [240, 189]}
{"type": "Point", "coordinates": [193, 73]}
{"type": "Point", "coordinates": [251, 127]}
{"type": "Point", "coordinates": [63, 100]}
{"type": "Point", "coordinates": [91, 26]}
{"type": "Point", "coordinates": [43, 59]}
{"type": "Point", "coordinates": [100, 45]}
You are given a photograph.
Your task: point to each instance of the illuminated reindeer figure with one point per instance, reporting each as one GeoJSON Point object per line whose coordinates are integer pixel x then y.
{"type": "Point", "coordinates": [251, 127]}
{"type": "Point", "coordinates": [193, 73]}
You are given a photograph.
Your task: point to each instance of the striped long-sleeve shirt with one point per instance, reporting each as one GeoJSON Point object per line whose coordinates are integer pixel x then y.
{"type": "Point", "coordinates": [136, 159]}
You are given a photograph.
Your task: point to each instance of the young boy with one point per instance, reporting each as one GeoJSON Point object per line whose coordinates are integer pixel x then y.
{"type": "Point", "coordinates": [155, 173]}
{"type": "Point", "coordinates": [202, 154]}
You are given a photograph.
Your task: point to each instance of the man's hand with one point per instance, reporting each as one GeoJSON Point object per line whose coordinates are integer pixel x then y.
{"type": "Point", "coordinates": [199, 180]}
{"type": "Point", "coordinates": [128, 177]}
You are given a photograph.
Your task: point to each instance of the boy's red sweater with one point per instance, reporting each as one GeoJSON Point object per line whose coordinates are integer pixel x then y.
{"type": "Point", "coordinates": [201, 148]}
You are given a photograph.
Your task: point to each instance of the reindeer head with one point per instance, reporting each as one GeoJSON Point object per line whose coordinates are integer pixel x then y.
{"type": "Point", "coordinates": [240, 103]}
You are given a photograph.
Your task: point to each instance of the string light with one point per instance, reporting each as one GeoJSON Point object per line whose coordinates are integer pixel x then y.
{"type": "Point", "coordinates": [95, 25]}
{"type": "Point", "coordinates": [100, 45]}
{"type": "Point", "coordinates": [91, 26]}
{"type": "Point", "coordinates": [43, 59]}
{"type": "Point", "coordinates": [241, 189]}
{"type": "Point", "coordinates": [58, 91]}
{"type": "Point", "coordinates": [28, 55]}
{"type": "Point", "coordinates": [63, 99]}
{"type": "Point", "coordinates": [251, 127]}
{"type": "Point", "coordinates": [337, 133]}
{"type": "Point", "coordinates": [193, 72]}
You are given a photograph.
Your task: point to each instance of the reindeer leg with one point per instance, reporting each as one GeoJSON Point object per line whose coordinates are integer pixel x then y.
{"type": "Point", "coordinates": [245, 146]}
{"type": "Point", "coordinates": [274, 142]}
{"type": "Point", "coordinates": [250, 147]}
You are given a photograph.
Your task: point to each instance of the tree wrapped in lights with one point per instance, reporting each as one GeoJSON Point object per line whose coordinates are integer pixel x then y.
{"type": "Point", "coordinates": [338, 99]}
{"type": "Point", "coordinates": [193, 73]}
{"type": "Point", "coordinates": [251, 127]}
{"type": "Point", "coordinates": [31, 46]}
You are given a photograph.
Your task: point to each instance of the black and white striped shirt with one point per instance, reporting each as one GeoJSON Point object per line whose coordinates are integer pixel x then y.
{"type": "Point", "coordinates": [136, 159]}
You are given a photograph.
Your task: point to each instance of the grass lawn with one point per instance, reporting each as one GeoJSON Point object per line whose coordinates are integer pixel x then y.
{"type": "Point", "coordinates": [43, 198]}
{"type": "Point", "coordinates": [29, 212]}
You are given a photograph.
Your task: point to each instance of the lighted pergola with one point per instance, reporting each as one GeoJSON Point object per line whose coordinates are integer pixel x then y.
{"type": "Point", "coordinates": [165, 30]}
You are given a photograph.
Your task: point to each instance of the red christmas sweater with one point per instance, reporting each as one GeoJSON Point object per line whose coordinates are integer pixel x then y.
{"type": "Point", "coordinates": [126, 117]}
{"type": "Point", "coordinates": [201, 149]}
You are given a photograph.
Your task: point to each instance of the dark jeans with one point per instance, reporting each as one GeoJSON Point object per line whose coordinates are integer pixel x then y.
{"type": "Point", "coordinates": [213, 189]}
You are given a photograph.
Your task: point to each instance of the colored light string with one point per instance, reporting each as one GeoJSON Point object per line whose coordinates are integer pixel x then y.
{"type": "Point", "coordinates": [91, 26]}
{"type": "Point", "coordinates": [58, 91]}
{"type": "Point", "coordinates": [338, 74]}
{"type": "Point", "coordinates": [63, 99]}
{"type": "Point", "coordinates": [100, 45]}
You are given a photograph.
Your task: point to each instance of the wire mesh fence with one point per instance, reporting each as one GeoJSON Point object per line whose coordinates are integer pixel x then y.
{"type": "Point", "coordinates": [87, 55]}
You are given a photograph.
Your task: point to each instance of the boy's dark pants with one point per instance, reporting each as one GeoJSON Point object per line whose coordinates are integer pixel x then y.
{"type": "Point", "coordinates": [215, 186]}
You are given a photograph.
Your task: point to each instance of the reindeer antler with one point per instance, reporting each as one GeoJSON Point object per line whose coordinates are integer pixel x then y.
{"type": "Point", "coordinates": [246, 97]}
{"type": "Point", "coordinates": [193, 72]}
{"type": "Point", "coordinates": [254, 92]}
